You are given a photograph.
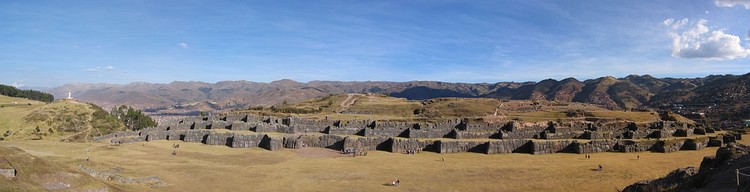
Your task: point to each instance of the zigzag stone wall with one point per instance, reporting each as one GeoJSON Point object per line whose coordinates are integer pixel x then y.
{"type": "Point", "coordinates": [451, 136]}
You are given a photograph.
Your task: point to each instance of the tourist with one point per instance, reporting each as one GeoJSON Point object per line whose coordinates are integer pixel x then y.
{"type": "Point", "coordinates": [398, 182]}
{"type": "Point", "coordinates": [639, 157]}
{"type": "Point", "coordinates": [600, 167]}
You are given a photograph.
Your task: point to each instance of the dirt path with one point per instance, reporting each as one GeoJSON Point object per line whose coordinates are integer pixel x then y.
{"type": "Point", "coordinates": [88, 131]}
{"type": "Point", "coordinates": [350, 100]}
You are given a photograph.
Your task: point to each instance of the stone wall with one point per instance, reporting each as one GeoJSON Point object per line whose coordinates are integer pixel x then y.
{"type": "Point", "coordinates": [549, 147]}
{"type": "Point", "coordinates": [196, 136]}
{"type": "Point", "coordinates": [246, 141]}
{"type": "Point", "coordinates": [220, 139]}
{"type": "Point", "coordinates": [323, 141]}
{"type": "Point", "coordinates": [404, 145]}
{"type": "Point", "coordinates": [385, 132]}
{"type": "Point", "coordinates": [345, 131]}
{"type": "Point", "coordinates": [429, 133]}
{"type": "Point", "coordinates": [632, 146]}
{"type": "Point", "coordinates": [695, 144]}
{"type": "Point", "coordinates": [502, 137]}
{"type": "Point", "coordinates": [272, 143]}
{"type": "Point", "coordinates": [458, 146]}
{"type": "Point", "coordinates": [509, 146]}
{"type": "Point", "coordinates": [668, 146]}
{"type": "Point", "coordinates": [476, 134]}
{"type": "Point", "coordinates": [368, 143]}
{"type": "Point", "coordinates": [595, 146]}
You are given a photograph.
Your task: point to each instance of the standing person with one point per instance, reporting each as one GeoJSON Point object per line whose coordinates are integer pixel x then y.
{"type": "Point", "coordinates": [639, 157]}
{"type": "Point", "coordinates": [398, 182]}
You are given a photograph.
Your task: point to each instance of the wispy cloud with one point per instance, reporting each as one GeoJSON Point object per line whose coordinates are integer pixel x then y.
{"type": "Point", "coordinates": [17, 84]}
{"type": "Point", "coordinates": [733, 3]}
{"type": "Point", "coordinates": [702, 42]}
{"type": "Point", "coordinates": [99, 68]}
{"type": "Point", "coordinates": [183, 45]}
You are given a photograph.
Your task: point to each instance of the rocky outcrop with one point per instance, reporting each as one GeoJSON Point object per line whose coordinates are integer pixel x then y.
{"type": "Point", "coordinates": [716, 173]}
{"type": "Point", "coordinates": [114, 177]}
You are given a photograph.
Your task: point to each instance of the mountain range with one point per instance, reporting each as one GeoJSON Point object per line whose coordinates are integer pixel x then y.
{"type": "Point", "coordinates": [630, 92]}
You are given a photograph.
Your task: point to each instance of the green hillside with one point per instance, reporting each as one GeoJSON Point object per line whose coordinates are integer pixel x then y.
{"type": "Point", "coordinates": [67, 120]}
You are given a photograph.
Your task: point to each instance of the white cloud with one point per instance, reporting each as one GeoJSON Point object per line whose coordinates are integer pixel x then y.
{"type": "Point", "coordinates": [732, 3]}
{"type": "Point", "coordinates": [99, 68]}
{"type": "Point", "coordinates": [183, 45]}
{"type": "Point", "coordinates": [675, 25]}
{"type": "Point", "coordinates": [17, 84]}
{"type": "Point", "coordinates": [702, 42]}
{"type": "Point", "coordinates": [93, 69]}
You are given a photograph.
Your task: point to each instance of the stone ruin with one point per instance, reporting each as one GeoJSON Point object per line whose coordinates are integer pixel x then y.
{"type": "Point", "coordinates": [451, 136]}
{"type": "Point", "coordinates": [6, 169]}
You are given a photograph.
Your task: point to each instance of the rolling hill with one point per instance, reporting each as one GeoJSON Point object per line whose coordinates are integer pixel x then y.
{"type": "Point", "coordinates": [631, 92]}
{"type": "Point", "coordinates": [67, 120]}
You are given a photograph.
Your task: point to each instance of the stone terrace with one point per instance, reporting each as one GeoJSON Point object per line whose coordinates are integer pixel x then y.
{"type": "Point", "coordinates": [452, 136]}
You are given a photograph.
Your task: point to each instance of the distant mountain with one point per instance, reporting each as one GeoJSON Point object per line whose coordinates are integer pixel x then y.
{"type": "Point", "coordinates": [633, 91]}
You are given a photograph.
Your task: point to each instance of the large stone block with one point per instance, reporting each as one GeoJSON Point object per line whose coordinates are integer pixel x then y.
{"type": "Point", "coordinates": [196, 136]}
{"type": "Point", "coordinates": [509, 146]}
{"type": "Point", "coordinates": [461, 146]}
{"type": "Point", "coordinates": [8, 172]}
{"type": "Point", "coordinates": [246, 141]}
{"type": "Point", "coordinates": [272, 143]}
{"type": "Point", "coordinates": [220, 139]}
{"type": "Point", "coordinates": [399, 145]}
{"type": "Point", "coordinates": [549, 147]}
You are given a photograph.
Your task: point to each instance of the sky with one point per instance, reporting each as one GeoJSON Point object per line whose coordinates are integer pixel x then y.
{"type": "Point", "coordinates": [51, 43]}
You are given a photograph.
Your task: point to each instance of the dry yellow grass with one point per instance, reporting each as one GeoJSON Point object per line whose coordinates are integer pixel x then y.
{"type": "Point", "coordinates": [200, 167]}
{"type": "Point", "coordinates": [11, 114]}
{"type": "Point", "coordinates": [381, 107]}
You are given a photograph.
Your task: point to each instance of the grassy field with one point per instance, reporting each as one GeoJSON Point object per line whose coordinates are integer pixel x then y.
{"type": "Point", "coordinates": [381, 107]}
{"type": "Point", "coordinates": [200, 167]}
{"type": "Point", "coordinates": [11, 114]}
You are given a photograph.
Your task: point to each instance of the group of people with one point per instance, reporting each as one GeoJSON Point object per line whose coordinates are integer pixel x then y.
{"type": "Point", "coordinates": [588, 156]}
{"type": "Point", "coordinates": [396, 183]}
{"type": "Point", "coordinates": [354, 152]}
{"type": "Point", "coordinates": [174, 148]}
{"type": "Point", "coordinates": [412, 151]}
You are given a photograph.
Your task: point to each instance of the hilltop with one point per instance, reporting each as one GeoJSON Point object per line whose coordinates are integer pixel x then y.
{"type": "Point", "coordinates": [68, 120]}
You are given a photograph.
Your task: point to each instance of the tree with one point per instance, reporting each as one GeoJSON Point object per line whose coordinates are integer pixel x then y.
{"type": "Point", "coordinates": [133, 119]}
{"type": "Point", "coordinates": [11, 91]}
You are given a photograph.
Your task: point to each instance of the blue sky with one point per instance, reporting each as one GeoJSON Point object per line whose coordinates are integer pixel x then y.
{"type": "Point", "coordinates": [50, 43]}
